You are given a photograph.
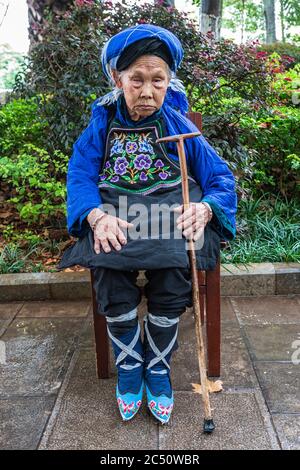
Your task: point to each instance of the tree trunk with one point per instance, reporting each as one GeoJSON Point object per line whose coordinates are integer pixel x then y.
{"type": "Point", "coordinates": [269, 12]}
{"type": "Point", "coordinates": [211, 16]}
{"type": "Point", "coordinates": [282, 21]}
{"type": "Point", "coordinates": [36, 11]}
{"type": "Point", "coordinates": [243, 22]}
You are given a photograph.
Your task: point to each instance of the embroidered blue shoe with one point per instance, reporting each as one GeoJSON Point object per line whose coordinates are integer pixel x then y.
{"type": "Point", "coordinates": [160, 397]}
{"type": "Point", "coordinates": [159, 392]}
{"type": "Point", "coordinates": [129, 403]}
{"type": "Point", "coordinates": [128, 350]}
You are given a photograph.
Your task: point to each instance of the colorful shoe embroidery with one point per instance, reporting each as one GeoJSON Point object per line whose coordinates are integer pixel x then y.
{"type": "Point", "coordinates": [129, 403]}
{"type": "Point", "coordinates": [160, 397]}
{"type": "Point", "coordinates": [128, 351]}
{"type": "Point", "coordinates": [161, 407]}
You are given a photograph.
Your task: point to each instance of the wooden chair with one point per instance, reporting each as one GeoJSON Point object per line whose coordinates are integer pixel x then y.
{"type": "Point", "coordinates": [210, 297]}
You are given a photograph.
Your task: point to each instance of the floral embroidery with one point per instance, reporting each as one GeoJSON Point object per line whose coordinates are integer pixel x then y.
{"type": "Point", "coordinates": [117, 148]}
{"type": "Point", "coordinates": [163, 175]}
{"type": "Point", "coordinates": [131, 147]}
{"type": "Point", "coordinates": [158, 163]}
{"type": "Point", "coordinates": [145, 146]}
{"type": "Point", "coordinates": [142, 161]}
{"type": "Point", "coordinates": [133, 160]}
{"type": "Point", "coordinates": [164, 410]}
{"type": "Point", "coordinates": [129, 408]}
{"type": "Point", "coordinates": [120, 165]}
{"type": "Point", "coordinates": [160, 409]}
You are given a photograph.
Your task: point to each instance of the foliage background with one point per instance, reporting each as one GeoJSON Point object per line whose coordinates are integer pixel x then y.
{"type": "Point", "coordinates": [248, 96]}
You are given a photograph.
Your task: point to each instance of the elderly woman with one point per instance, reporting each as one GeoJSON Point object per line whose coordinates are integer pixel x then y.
{"type": "Point", "coordinates": [117, 167]}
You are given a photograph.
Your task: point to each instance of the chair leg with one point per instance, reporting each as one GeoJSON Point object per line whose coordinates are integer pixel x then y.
{"type": "Point", "coordinates": [101, 338]}
{"type": "Point", "coordinates": [213, 320]}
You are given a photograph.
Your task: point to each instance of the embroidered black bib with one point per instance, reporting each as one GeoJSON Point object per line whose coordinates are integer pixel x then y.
{"type": "Point", "coordinates": [134, 162]}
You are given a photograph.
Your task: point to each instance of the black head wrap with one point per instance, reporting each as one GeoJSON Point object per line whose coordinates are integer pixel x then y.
{"type": "Point", "coordinates": [144, 46]}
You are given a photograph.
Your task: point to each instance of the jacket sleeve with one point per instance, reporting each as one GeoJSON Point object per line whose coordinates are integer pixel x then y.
{"type": "Point", "coordinates": [83, 176]}
{"type": "Point", "coordinates": [217, 183]}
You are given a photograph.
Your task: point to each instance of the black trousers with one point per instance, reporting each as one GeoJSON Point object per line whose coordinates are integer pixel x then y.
{"type": "Point", "coordinates": [168, 291]}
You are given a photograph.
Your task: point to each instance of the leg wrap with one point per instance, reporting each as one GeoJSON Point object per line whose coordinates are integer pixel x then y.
{"type": "Point", "coordinates": [160, 340]}
{"type": "Point", "coordinates": [161, 333]}
{"type": "Point", "coordinates": [125, 334]}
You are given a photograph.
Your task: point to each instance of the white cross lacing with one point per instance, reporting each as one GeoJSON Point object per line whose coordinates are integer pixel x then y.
{"type": "Point", "coordinates": [126, 350]}
{"type": "Point", "coordinates": [164, 322]}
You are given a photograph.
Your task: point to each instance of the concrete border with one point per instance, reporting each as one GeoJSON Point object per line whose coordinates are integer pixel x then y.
{"type": "Point", "coordinates": [236, 280]}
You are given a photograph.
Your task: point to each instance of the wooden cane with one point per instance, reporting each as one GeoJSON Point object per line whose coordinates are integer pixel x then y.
{"type": "Point", "coordinates": [208, 425]}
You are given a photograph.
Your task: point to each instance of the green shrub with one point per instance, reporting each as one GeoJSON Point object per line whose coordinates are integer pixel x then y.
{"type": "Point", "coordinates": [65, 68]}
{"type": "Point", "coordinates": [287, 86]}
{"type": "Point", "coordinates": [274, 137]}
{"type": "Point", "coordinates": [228, 83]}
{"type": "Point", "coordinates": [64, 71]}
{"type": "Point", "coordinates": [34, 175]}
{"type": "Point", "coordinates": [285, 50]}
{"type": "Point", "coordinates": [20, 124]}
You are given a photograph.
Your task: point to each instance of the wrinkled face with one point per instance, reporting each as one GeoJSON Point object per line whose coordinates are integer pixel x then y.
{"type": "Point", "coordinates": [145, 84]}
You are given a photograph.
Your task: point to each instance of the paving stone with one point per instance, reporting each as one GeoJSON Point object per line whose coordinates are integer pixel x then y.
{"type": "Point", "coordinates": [273, 342]}
{"type": "Point", "coordinates": [239, 424]}
{"type": "Point", "coordinates": [266, 310]}
{"type": "Point", "coordinates": [89, 417]}
{"type": "Point", "coordinates": [227, 311]}
{"type": "Point", "coordinates": [37, 354]}
{"type": "Point", "coordinates": [3, 326]}
{"type": "Point", "coordinates": [288, 429]}
{"type": "Point", "coordinates": [23, 420]}
{"type": "Point", "coordinates": [87, 339]}
{"type": "Point", "coordinates": [55, 308]}
{"type": "Point", "coordinates": [236, 369]}
{"type": "Point", "coordinates": [85, 416]}
{"type": "Point", "coordinates": [8, 310]}
{"type": "Point", "coordinates": [280, 384]}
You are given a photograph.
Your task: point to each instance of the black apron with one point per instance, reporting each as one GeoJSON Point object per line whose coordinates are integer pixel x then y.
{"type": "Point", "coordinates": [140, 182]}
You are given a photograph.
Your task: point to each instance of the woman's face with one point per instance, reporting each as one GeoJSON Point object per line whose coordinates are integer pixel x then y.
{"type": "Point", "coordinates": [145, 84]}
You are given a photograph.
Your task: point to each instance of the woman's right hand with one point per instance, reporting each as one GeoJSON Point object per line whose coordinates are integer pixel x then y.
{"type": "Point", "coordinates": [108, 231]}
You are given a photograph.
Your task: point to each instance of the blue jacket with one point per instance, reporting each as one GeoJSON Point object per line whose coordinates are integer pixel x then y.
{"type": "Point", "coordinates": [210, 171]}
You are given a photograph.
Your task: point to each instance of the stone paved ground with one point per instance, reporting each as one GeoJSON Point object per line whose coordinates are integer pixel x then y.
{"type": "Point", "coordinates": [50, 397]}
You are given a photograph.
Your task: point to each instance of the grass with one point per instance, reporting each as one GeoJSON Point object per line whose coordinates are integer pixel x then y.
{"type": "Point", "coordinates": [34, 256]}
{"type": "Point", "coordinates": [267, 231]}
{"type": "Point", "coordinates": [14, 260]}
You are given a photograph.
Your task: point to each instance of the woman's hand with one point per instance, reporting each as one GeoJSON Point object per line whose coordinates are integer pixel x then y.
{"type": "Point", "coordinates": [193, 220]}
{"type": "Point", "coordinates": [107, 230]}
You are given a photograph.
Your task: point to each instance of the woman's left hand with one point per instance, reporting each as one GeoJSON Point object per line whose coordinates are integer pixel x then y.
{"type": "Point", "coordinates": [193, 220]}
